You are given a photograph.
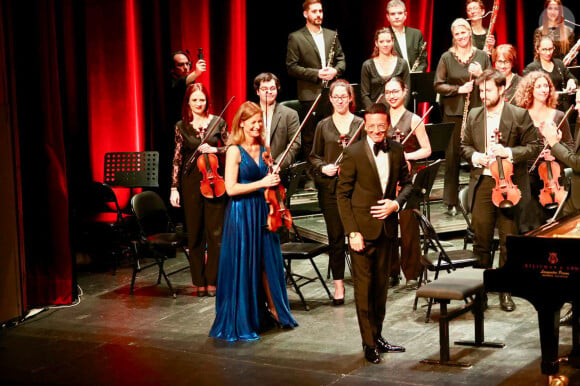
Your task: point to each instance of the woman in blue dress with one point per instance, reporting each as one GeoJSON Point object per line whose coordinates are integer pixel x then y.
{"type": "Point", "coordinates": [251, 294]}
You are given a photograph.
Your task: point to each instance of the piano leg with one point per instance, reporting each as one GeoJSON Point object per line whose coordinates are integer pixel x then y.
{"type": "Point", "coordinates": [549, 321]}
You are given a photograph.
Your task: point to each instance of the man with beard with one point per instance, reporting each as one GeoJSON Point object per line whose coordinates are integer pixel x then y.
{"type": "Point", "coordinates": [307, 60]}
{"type": "Point", "coordinates": [518, 142]}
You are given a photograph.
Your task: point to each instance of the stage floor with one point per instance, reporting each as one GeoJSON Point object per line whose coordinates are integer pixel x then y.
{"type": "Point", "coordinates": [114, 338]}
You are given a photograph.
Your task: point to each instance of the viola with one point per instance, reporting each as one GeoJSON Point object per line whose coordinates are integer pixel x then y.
{"type": "Point", "coordinates": [212, 184]}
{"type": "Point", "coordinates": [505, 194]}
{"type": "Point", "coordinates": [552, 194]}
{"type": "Point", "coordinates": [278, 214]}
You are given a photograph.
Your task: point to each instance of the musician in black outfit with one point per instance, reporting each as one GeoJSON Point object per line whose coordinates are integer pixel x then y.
{"type": "Point", "coordinates": [307, 57]}
{"type": "Point", "coordinates": [518, 143]}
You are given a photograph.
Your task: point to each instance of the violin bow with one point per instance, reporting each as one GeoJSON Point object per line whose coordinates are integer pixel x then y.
{"type": "Point", "coordinates": [531, 169]}
{"type": "Point", "coordinates": [285, 154]}
{"type": "Point", "coordinates": [209, 133]}
{"type": "Point", "coordinates": [350, 141]}
{"type": "Point", "coordinates": [417, 125]}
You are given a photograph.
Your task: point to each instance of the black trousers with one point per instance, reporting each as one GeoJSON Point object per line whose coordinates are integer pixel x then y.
{"type": "Point", "coordinates": [408, 261]}
{"type": "Point", "coordinates": [452, 162]}
{"type": "Point", "coordinates": [334, 228]}
{"type": "Point", "coordinates": [204, 220]}
{"type": "Point", "coordinates": [371, 283]}
{"type": "Point", "coordinates": [485, 217]}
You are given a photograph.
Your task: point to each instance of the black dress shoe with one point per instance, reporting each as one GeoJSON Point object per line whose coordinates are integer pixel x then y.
{"type": "Point", "coordinates": [372, 355]}
{"type": "Point", "coordinates": [337, 302]}
{"type": "Point", "coordinates": [567, 318]}
{"type": "Point", "coordinates": [384, 346]}
{"type": "Point", "coordinates": [394, 280]}
{"type": "Point", "coordinates": [506, 303]}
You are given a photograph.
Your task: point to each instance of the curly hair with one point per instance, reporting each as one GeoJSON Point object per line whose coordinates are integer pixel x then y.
{"type": "Point", "coordinates": [525, 92]}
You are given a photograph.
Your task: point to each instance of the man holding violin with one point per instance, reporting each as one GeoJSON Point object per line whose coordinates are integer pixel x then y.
{"type": "Point", "coordinates": [518, 142]}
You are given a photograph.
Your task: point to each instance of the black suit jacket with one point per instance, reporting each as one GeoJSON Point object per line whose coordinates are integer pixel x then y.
{"type": "Point", "coordinates": [359, 188]}
{"type": "Point", "coordinates": [570, 158]}
{"type": "Point", "coordinates": [517, 131]}
{"type": "Point", "coordinates": [285, 124]}
{"type": "Point", "coordinates": [303, 61]}
{"type": "Point", "coordinates": [414, 38]}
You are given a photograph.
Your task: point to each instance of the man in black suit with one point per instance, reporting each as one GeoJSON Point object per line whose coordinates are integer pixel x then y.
{"type": "Point", "coordinates": [408, 41]}
{"type": "Point", "coordinates": [518, 142]}
{"type": "Point", "coordinates": [368, 206]}
{"type": "Point", "coordinates": [307, 60]}
{"type": "Point", "coordinates": [570, 158]}
{"type": "Point", "coordinates": [280, 122]}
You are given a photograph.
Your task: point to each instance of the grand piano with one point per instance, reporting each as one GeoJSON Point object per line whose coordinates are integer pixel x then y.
{"type": "Point", "coordinates": [543, 267]}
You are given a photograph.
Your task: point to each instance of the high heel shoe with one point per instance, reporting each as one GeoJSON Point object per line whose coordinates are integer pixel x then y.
{"type": "Point", "coordinates": [337, 302]}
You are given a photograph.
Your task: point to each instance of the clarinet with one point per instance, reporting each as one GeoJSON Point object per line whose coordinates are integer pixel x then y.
{"type": "Point", "coordinates": [418, 60]}
{"type": "Point", "coordinates": [330, 58]}
{"type": "Point", "coordinates": [572, 53]}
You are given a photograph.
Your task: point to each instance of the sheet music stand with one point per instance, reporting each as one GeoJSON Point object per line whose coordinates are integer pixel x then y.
{"type": "Point", "coordinates": [132, 169]}
{"type": "Point", "coordinates": [422, 89]}
{"type": "Point", "coordinates": [439, 136]}
{"type": "Point", "coordinates": [422, 184]}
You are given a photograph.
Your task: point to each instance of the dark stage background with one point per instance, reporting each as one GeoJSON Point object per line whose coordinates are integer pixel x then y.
{"type": "Point", "coordinates": [83, 78]}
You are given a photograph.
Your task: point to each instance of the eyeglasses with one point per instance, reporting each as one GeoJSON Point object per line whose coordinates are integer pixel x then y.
{"type": "Point", "coordinates": [340, 98]}
{"type": "Point", "coordinates": [185, 64]}
{"type": "Point", "coordinates": [547, 49]}
{"type": "Point", "coordinates": [380, 127]}
{"type": "Point", "coordinates": [503, 62]}
{"type": "Point", "coordinates": [392, 92]}
{"type": "Point", "coordinates": [266, 89]}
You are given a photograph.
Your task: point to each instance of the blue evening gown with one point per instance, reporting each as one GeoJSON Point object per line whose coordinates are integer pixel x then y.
{"type": "Point", "coordinates": [248, 247]}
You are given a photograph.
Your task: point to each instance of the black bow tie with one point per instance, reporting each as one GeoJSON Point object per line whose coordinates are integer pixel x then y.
{"type": "Point", "coordinates": [378, 146]}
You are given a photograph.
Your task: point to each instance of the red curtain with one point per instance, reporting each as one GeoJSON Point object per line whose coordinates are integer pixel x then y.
{"type": "Point", "coordinates": [420, 16]}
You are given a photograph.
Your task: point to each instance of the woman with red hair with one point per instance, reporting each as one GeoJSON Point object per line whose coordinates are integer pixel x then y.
{"type": "Point", "coordinates": [203, 216]}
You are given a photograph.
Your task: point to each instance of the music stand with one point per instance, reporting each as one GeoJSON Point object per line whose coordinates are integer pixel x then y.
{"type": "Point", "coordinates": [422, 184]}
{"type": "Point", "coordinates": [132, 169]}
{"type": "Point", "coordinates": [422, 89]}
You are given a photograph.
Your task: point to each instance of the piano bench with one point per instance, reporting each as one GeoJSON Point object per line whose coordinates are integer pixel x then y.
{"type": "Point", "coordinates": [444, 290]}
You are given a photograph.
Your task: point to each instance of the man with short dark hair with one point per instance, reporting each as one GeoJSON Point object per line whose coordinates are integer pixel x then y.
{"type": "Point", "coordinates": [368, 204]}
{"type": "Point", "coordinates": [181, 77]}
{"type": "Point", "coordinates": [518, 142]}
{"type": "Point", "coordinates": [280, 122]}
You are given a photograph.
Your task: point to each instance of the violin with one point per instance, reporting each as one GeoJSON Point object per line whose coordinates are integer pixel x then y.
{"type": "Point", "coordinates": [212, 184]}
{"type": "Point", "coordinates": [279, 214]}
{"type": "Point", "coordinates": [552, 194]}
{"type": "Point", "coordinates": [505, 194]}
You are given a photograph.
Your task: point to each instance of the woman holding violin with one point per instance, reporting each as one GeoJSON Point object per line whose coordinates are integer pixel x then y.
{"type": "Point", "coordinates": [536, 94]}
{"type": "Point", "coordinates": [330, 139]}
{"type": "Point", "coordinates": [499, 134]}
{"type": "Point", "coordinates": [384, 63]}
{"type": "Point", "coordinates": [251, 294]}
{"type": "Point", "coordinates": [408, 128]}
{"type": "Point", "coordinates": [454, 81]}
{"type": "Point", "coordinates": [200, 189]}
